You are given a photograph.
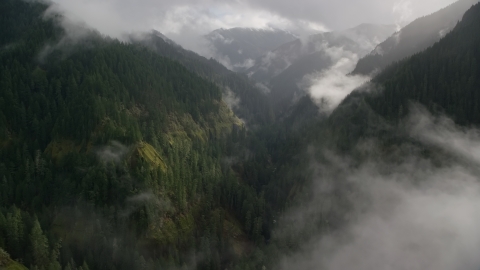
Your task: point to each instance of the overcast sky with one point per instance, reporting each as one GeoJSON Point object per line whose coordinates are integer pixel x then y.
{"type": "Point", "coordinates": [182, 19]}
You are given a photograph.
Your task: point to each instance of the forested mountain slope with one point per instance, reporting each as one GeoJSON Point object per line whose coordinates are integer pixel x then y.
{"type": "Point", "coordinates": [444, 78]}
{"type": "Point", "coordinates": [252, 106]}
{"type": "Point", "coordinates": [113, 157]}
{"type": "Point", "coordinates": [413, 38]}
{"type": "Point", "coordinates": [121, 155]}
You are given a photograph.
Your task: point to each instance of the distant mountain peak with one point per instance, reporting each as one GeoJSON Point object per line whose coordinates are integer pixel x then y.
{"type": "Point", "coordinates": [165, 38]}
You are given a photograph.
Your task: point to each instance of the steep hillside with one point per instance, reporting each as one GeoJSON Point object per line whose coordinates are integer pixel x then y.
{"type": "Point", "coordinates": [249, 102]}
{"type": "Point", "coordinates": [7, 263]}
{"type": "Point", "coordinates": [444, 78]}
{"type": "Point", "coordinates": [113, 157]}
{"type": "Point", "coordinates": [413, 38]}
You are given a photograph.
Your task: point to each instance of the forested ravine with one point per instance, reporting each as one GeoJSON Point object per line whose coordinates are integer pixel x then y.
{"type": "Point", "coordinates": [127, 154]}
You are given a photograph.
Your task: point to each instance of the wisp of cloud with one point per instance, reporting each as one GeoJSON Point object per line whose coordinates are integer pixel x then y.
{"type": "Point", "coordinates": [330, 87]}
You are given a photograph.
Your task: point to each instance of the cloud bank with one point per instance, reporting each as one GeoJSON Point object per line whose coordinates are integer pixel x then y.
{"type": "Point", "coordinates": [407, 213]}
{"type": "Point", "coordinates": [185, 20]}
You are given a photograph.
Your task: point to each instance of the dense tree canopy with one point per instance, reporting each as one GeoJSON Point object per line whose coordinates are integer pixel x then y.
{"type": "Point", "coordinates": [112, 156]}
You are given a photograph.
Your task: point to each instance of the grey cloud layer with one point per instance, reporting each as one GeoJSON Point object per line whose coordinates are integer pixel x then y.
{"type": "Point", "coordinates": [341, 14]}
{"type": "Point", "coordinates": [183, 19]}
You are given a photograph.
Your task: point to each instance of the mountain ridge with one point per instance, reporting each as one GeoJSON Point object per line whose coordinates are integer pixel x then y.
{"type": "Point", "coordinates": [413, 38]}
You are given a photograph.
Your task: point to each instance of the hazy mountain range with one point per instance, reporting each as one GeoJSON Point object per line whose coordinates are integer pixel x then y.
{"type": "Point", "coordinates": [284, 69]}
{"type": "Point", "coordinates": [240, 47]}
{"type": "Point", "coordinates": [359, 40]}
